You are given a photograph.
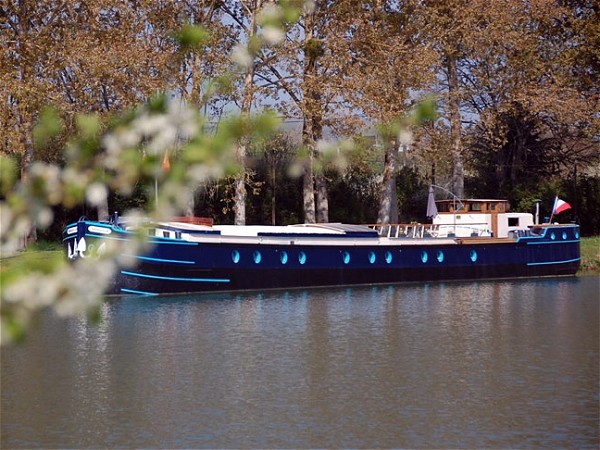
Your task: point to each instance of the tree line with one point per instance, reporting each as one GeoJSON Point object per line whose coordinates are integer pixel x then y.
{"type": "Point", "coordinates": [515, 84]}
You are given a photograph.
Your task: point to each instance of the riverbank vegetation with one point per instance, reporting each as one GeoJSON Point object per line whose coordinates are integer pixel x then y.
{"type": "Point", "coordinates": [590, 255]}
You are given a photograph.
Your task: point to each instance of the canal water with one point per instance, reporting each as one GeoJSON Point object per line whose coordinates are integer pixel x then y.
{"type": "Point", "coordinates": [457, 365]}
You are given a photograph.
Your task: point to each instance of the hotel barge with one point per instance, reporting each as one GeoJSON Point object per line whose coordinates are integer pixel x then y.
{"type": "Point", "coordinates": [479, 240]}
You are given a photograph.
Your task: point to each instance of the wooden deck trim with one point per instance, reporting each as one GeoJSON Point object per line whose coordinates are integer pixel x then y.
{"type": "Point", "coordinates": [485, 240]}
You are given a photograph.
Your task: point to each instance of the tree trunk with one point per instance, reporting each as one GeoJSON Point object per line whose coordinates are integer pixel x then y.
{"type": "Point", "coordinates": [26, 136]}
{"type": "Point", "coordinates": [25, 118]}
{"type": "Point", "coordinates": [190, 205]}
{"type": "Point", "coordinates": [273, 196]}
{"type": "Point", "coordinates": [388, 185]}
{"type": "Point", "coordinates": [239, 183]}
{"type": "Point", "coordinates": [458, 177]}
{"type": "Point", "coordinates": [394, 210]}
{"type": "Point", "coordinates": [322, 201]}
{"type": "Point", "coordinates": [310, 111]}
{"type": "Point", "coordinates": [248, 95]}
{"type": "Point", "coordinates": [102, 210]}
{"type": "Point", "coordinates": [308, 188]}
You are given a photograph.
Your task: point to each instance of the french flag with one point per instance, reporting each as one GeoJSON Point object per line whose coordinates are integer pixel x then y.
{"type": "Point", "coordinates": [560, 206]}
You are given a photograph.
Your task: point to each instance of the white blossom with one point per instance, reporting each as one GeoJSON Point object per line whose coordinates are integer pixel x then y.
{"type": "Point", "coordinates": [44, 217]}
{"type": "Point", "coordinates": [273, 35]}
{"type": "Point", "coordinates": [96, 193]}
{"type": "Point", "coordinates": [241, 56]}
{"type": "Point", "coordinates": [405, 136]}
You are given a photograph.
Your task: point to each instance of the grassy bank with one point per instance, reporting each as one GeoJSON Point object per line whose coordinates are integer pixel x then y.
{"type": "Point", "coordinates": [46, 252]}
{"type": "Point", "coordinates": [39, 257]}
{"type": "Point", "coordinates": [590, 255]}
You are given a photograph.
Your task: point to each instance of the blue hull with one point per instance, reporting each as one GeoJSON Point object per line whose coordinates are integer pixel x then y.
{"type": "Point", "coordinates": [175, 265]}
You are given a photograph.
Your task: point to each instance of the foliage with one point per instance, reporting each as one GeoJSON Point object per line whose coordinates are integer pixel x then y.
{"type": "Point", "coordinates": [590, 254]}
{"type": "Point", "coordinates": [101, 158]}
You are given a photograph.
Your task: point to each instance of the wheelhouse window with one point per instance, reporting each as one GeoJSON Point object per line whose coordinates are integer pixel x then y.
{"type": "Point", "coordinates": [443, 207]}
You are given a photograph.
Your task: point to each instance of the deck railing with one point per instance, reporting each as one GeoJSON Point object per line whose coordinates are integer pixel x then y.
{"type": "Point", "coordinates": [397, 230]}
{"type": "Point", "coordinates": [418, 230]}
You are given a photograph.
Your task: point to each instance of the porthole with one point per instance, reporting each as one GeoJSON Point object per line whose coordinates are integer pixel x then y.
{"type": "Point", "coordinates": [440, 256]}
{"type": "Point", "coordinates": [552, 236]}
{"type": "Point", "coordinates": [257, 257]}
{"type": "Point", "coordinates": [235, 256]}
{"type": "Point", "coordinates": [577, 235]}
{"type": "Point", "coordinates": [346, 257]}
{"type": "Point", "coordinates": [283, 257]}
{"type": "Point", "coordinates": [424, 257]}
{"type": "Point", "coordinates": [473, 255]}
{"type": "Point", "coordinates": [388, 257]}
{"type": "Point", "coordinates": [302, 258]}
{"type": "Point", "coordinates": [372, 257]}
{"type": "Point", "coordinates": [564, 235]}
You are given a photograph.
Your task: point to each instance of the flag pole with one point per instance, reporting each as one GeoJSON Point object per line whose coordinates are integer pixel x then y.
{"type": "Point", "coordinates": [553, 208]}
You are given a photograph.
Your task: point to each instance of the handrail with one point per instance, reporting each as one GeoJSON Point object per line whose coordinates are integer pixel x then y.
{"type": "Point", "coordinates": [413, 230]}
{"type": "Point", "coordinates": [418, 230]}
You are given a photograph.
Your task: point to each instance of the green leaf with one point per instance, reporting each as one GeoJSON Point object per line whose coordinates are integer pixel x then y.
{"type": "Point", "coordinates": [192, 37]}
{"type": "Point", "coordinates": [89, 125]}
{"type": "Point", "coordinates": [9, 172]}
{"type": "Point", "coordinates": [49, 126]}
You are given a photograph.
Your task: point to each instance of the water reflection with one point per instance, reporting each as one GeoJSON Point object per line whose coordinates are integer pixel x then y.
{"type": "Point", "coordinates": [497, 364]}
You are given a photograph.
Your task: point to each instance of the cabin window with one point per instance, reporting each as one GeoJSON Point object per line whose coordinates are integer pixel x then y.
{"type": "Point", "coordinates": [440, 256]}
{"type": "Point", "coordinates": [257, 257]}
{"type": "Point", "coordinates": [424, 257]}
{"type": "Point", "coordinates": [372, 257]}
{"type": "Point", "coordinates": [577, 235]}
{"type": "Point", "coordinates": [475, 206]}
{"type": "Point", "coordinates": [346, 257]}
{"type": "Point", "coordinates": [552, 236]}
{"type": "Point", "coordinates": [302, 258]}
{"type": "Point", "coordinates": [513, 221]}
{"type": "Point", "coordinates": [564, 235]}
{"type": "Point", "coordinates": [166, 234]}
{"type": "Point", "coordinates": [473, 255]}
{"type": "Point", "coordinates": [235, 256]}
{"type": "Point", "coordinates": [283, 257]}
{"type": "Point", "coordinates": [388, 257]}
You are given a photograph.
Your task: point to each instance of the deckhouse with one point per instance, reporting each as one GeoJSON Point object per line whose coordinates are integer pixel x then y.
{"type": "Point", "coordinates": [479, 217]}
